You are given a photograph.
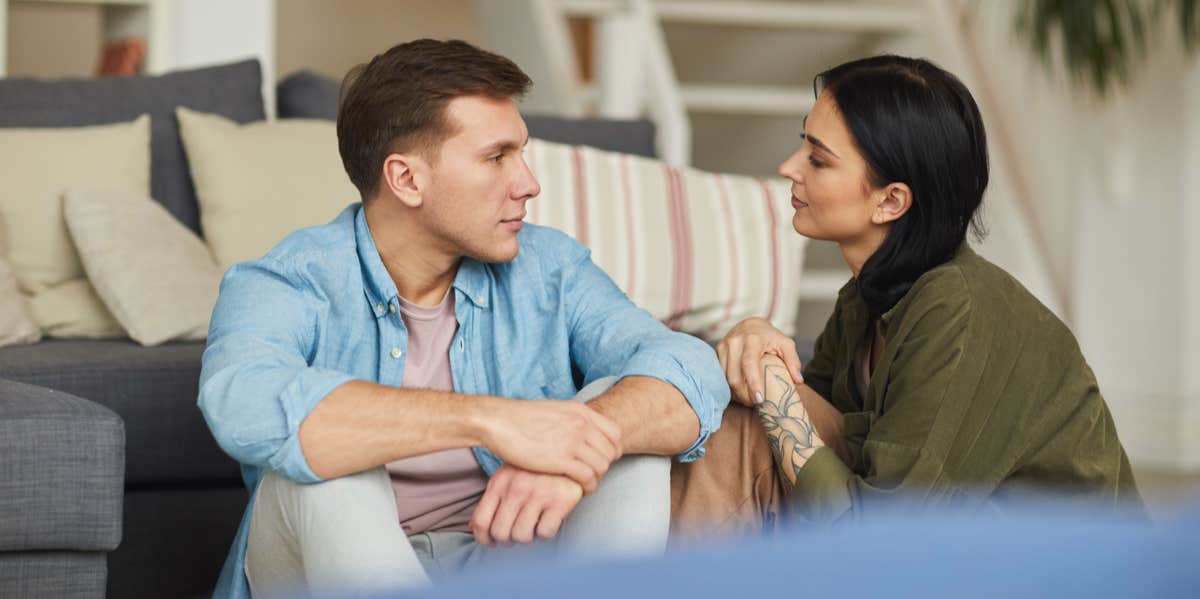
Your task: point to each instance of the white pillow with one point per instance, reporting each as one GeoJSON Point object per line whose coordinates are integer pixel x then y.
{"type": "Point", "coordinates": [16, 323]}
{"type": "Point", "coordinates": [699, 251]}
{"type": "Point", "coordinates": [259, 182]}
{"type": "Point", "coordinates": [36, 165]}
{"type": "Point", "coordinates": [154, 274]}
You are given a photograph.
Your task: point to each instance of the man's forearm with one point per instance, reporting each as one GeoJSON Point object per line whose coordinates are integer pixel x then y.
{"type": "Point", "coordinates": [790, 431]}
{"type": "Point", "coordinates": [361, 425]}
{"type": "Point", "coordinates": [654, 417]}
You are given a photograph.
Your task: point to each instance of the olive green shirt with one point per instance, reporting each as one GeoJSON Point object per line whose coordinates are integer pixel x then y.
{"type": "Point", "coordinates": [981, 395]}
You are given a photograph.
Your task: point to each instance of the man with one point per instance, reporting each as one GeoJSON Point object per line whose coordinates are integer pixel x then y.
{"type": "Point", "coordinates": [373, 375]}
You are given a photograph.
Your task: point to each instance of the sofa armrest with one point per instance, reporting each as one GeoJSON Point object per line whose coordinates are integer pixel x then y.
{"type": "Point", "coordinates": [62, 471]}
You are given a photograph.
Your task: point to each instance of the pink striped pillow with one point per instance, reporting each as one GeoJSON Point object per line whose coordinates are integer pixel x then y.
{"type": "Point", "coordinates": [700, 251]}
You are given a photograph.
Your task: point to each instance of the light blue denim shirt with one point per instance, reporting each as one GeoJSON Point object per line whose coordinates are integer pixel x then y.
{"type": "Point", "coordinates": [317, 311]}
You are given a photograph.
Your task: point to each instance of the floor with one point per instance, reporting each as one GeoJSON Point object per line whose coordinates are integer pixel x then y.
{"type": "Point", "coordinates": [1166, 492]}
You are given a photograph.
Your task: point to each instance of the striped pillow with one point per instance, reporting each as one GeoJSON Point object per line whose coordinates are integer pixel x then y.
{"type": "Point", "coordinates": [699, 251]}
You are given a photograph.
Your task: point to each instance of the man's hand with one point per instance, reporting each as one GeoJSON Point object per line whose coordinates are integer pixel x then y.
{"type": "Point", "coordinates": [520, 506]}
{"type": "Point", "coordinates": [554, 437]}
{"type": "Point", "coordinates": [741, 354]}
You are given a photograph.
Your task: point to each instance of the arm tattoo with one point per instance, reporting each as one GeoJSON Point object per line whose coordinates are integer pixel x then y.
{"type": "Point", "coordinates": [790, 431]}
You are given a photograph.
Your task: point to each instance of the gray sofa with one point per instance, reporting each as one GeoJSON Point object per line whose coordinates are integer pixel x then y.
{"type": "Point", "coordinates": [84, 421]}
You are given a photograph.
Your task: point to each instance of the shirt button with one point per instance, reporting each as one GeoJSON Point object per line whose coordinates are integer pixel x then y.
{"type": "Point", "coordinates": [396, 352]}
{"type": "Point", "coordinates": [379, 308]}
{"type": "Point", "coordinates": [392, 308]}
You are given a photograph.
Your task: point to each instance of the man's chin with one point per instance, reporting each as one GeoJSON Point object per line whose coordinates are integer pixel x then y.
{"type": "Point", "coordinates": [499, 255]}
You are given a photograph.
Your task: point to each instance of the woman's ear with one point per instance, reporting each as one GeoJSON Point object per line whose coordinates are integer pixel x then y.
{"type": "Point", "coordinates": [403, 178]}
{"type": "Point", "coordinates": [895, 202]}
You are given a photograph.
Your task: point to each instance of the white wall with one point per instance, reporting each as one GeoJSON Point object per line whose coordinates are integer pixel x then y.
{"type": "Point", "coordinates": [209, 32]}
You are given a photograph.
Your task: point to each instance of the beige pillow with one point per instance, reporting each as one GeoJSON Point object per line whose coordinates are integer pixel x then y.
{"type": "Point", "coordinates": [257, 183]}
{"type": "Point", "coordinates": [153, 273]}
{"type": "Point", "coordinates": [16, 323]}
{"type": "Point", "coordinates": [36, 165]}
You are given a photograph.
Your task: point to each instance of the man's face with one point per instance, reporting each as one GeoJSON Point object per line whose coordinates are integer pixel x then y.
{"type": "Point", "coordinates": [479, 183]}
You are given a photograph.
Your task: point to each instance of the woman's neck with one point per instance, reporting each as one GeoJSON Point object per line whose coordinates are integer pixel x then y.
{"type": "Point", "coordinates": [858, 251]}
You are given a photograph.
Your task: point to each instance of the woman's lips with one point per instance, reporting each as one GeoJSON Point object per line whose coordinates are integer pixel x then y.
{"type": "Point", "coordinates": [796, 203]}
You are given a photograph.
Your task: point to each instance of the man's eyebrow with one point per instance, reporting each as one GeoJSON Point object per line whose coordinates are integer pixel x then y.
{"type": "Point", "coordinates": [503, 147]}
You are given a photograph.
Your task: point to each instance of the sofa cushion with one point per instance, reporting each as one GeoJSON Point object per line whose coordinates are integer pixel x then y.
{"type": "Point", "coordinates": [16, 321]}
{"type": "Point", "coordinates": [307, 95]}
{"type": "Point", "coordinates": [154, 274]}
{"type": "Point", "coordinates": [233, 91]}
{"type": "Point", "coordinates": [290, 169]}
{"type": "Point", "coordinates": [62, 471]}
{"type": "Point", "coordinates": [52, 575]}
{"type": "Point", "coordinates": [32, 180]}
{"type": "Point", "coordinates": [152, 388]}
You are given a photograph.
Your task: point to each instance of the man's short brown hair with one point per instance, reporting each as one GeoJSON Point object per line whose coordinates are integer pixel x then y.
{"type": "Point", "coordinates": [397, 101]}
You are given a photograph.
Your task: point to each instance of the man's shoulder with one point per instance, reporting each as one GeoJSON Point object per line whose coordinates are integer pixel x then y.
{"type": "Point", "coordinates": [335, 236]}
{"type": "Point", "coordinates": [317, 248]}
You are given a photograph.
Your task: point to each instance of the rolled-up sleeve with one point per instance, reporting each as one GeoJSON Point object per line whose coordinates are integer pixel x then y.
{"type": "Point", "coordinates": [256, 385]}
{"type": "Point", "coordinates": [611, 336]}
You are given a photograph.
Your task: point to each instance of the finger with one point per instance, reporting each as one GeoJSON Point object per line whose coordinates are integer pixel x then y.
{"type": "Point", "coordinates": [791, 359]}
{"type": "Point", "coordinates": [733, 370]}
{"type": "Point", "coordinates": [506, 515]}
{"type": "Point", "coordinates": [524, 528]}
{"type": "Point", "coordinates": [596, 458]}
{"type": "Point", "coordinates": [722, 354]}
{"type": "Point", "coordinates": [551, 521]}
{"type": "Point", "coordinates": [751, 370]}
{"type": "Point", "coordinates": [485, 512]}
{"type": "Point", "coordinates": [582, 474]}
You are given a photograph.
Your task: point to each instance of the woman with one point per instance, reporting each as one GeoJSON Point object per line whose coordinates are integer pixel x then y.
{"type": "Point", "coordinates": [938, 379]}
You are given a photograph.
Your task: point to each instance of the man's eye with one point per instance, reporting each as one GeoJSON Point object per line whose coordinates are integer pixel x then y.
{"type": "Point", "coordinates": [497, 158]}
{"type": "Point", "coordinates": [816, 163]}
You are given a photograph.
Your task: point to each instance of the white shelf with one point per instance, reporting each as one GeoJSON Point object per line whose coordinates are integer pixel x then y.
{"type": "Point", "coordinates": [148, 19]}
{"type": "Point", "coordinates": [747, 99]}
{"type": "Point", "coordinates": [861, 17]}
{"type": "Point", "coordinates": [856, 17]}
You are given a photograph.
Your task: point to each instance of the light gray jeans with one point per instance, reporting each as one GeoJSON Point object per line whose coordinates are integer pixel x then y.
{"type": "Point", "coordinates": [342, 536]}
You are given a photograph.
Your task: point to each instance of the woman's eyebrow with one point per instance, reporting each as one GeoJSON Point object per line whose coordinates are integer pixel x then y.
{"type": "Point", "coordinates": [816, 142]}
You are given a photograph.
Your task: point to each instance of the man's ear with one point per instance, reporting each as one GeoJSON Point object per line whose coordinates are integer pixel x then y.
{"type": "Point", "coordinates": [404, 176]}
{"type": "Point", "coordinates": [896, 200]}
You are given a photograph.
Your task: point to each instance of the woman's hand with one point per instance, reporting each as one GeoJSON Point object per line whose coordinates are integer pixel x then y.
{"type": "Point", "coordinates": [741, 353]}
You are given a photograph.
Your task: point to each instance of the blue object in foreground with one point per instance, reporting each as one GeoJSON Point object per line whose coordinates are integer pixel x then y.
{"type": "Point", "coordinates": [1048, 553]}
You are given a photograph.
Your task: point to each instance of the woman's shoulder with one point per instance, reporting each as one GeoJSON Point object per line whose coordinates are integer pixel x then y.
{"type": "Point", "coordinates": [972, 285]}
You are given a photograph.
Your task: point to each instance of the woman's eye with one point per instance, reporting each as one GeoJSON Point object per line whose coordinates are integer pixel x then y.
{"type": "Point", "coordinates": [497, 158]}
{"type": "Point", "coordinates": [816, 163]}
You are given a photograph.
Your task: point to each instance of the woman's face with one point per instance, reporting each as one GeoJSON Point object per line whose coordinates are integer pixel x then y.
{"type": "Point", "coordinates": [831, 193]}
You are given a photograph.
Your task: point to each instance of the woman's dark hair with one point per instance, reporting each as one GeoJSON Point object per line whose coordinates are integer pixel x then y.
{"type": "Point", "coordinates": [917, 124]}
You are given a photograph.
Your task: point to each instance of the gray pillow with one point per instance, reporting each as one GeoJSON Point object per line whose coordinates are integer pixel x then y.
{"type": "Point", "coordinates": [307, 95]}
{"type": "Point", "coordinates": [233, 91]}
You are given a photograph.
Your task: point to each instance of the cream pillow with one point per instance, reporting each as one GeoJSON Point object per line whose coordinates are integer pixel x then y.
{"type": "Point", "coordinates": [36, 165]}
{"type": "Point", "coordinates": [259, 182]}
{"type": "Point", "coordinates": [16, 323]}
{"type": "Point", "coordinates": [153, 273]}
{"type": "Point", "coordinates": [700, 251]}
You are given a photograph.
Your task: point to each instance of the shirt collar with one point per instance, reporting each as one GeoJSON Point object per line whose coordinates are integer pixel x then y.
{"type": "Point", "coordinates": [378, 285]}
{"type": "Point", "coordinates": [472, 278]}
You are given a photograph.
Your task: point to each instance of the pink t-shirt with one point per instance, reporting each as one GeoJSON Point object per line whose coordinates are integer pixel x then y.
{"type": "Point", "coordinates": [436, 491]}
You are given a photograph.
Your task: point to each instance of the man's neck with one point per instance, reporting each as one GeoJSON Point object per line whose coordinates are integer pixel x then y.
{"type": "Point", "coordinates": [422, 272]}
